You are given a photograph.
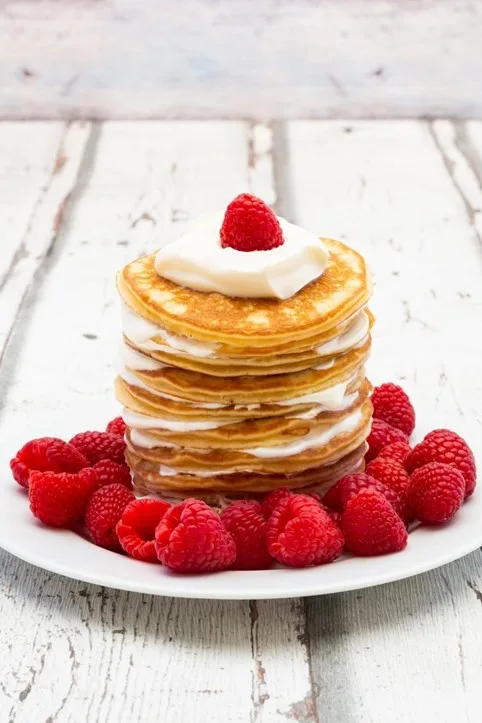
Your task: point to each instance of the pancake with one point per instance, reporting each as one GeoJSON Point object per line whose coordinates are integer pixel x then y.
{"type": "Point", "coordinates": [249, 324]}
{"type": "Point", "coordinates": [249, 432]}
{"type": "Point", "coordinates": [147, 479]}
{"type": "Point", "coordinates": [143, 401]}
{"type": "Point", "coordinates": [207, 460]}
{"type": "Point", "coordinates": [229, 397]}
{"type": "Point", "coordinates": [192, 386]}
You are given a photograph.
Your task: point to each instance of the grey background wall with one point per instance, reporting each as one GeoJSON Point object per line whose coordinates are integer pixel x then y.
{"type": "Point", "coordinates": [232, 58]}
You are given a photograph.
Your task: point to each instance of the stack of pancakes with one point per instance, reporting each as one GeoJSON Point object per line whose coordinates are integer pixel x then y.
{"type": "Point", "coordinates": [236, 397]}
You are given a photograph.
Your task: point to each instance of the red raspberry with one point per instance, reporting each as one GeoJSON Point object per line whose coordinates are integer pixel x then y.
{"type": "Point", "coordinates": [117, 427]}
{"type": "Point", "coordinates": [272, 500]}
{"type": "Point", "coordinates": [371, 526]}
{"type": "Point", "coordinates": [331, 498]}
{"type": "Point", "coordinates": [104, 511]}
{"type": "Point", "coordinates": [446, 447]}
{"type": "Point", "coordinates": [392, 405]}
{"type": "Point", "coordinates": [398, 451]}
{"type": "Point", "coordinates": [191, 538]}
{"type": "Point", "coordinates": [300, 533]}
{"type": "Point", "coordinates": [381, 435]}
{"type": "Point", "coordinates": [110, 473]}
{"type": "Point", "coordinates": [334, 517]}
{"type": "Point", "coordinates": [391, 473]}
{"type": "Point", "coordinates": [58, 498]}
{"type": "Point", "coordinates": [246, 523]}
{"type": "Point", "coordinates": [353, 483]}
{"type": "Point", "coordinates": [137, 526]}
{"type": "Point", "coordinates": [46, 454]}
{"type": "Point", "coordinates": [435, 493]}
{"type": "Point", "coordinates": [250, 225]}
{"type": "Point", "coordinates": [100, 445]}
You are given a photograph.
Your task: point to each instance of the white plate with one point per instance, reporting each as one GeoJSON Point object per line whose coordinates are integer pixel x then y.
{"type": "Point", "coordinates": [68, 554]}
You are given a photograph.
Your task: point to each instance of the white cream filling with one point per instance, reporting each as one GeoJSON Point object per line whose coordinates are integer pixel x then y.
{"type": "Point", "coordinates": [131, 379]}
{"type": "Point", "coordinates": [355, 335]}
{"type": "Point", "coordinates": [332, 398]}
{"type": "Point", "coordinates": [309, 441]}
{"type": "Point", "coordinates": [143, 421]}
{"type": "Point", "coordinates": [142, 332]}
{"type": "Point", "coordinates": [346, 402]}
{"type": "Point", "coordinates": [135, 360]}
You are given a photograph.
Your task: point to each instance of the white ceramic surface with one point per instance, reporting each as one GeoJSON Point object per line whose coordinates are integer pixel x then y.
{"type": "Point", "coordinates": [66, 553]}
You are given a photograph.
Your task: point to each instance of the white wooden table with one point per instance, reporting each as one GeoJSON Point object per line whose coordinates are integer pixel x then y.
{"type": "Point", "coordinates": [79, 200]}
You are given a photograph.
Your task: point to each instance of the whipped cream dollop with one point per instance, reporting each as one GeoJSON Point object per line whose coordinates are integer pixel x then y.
{"type": "Point", "coordinates": [198, 261]}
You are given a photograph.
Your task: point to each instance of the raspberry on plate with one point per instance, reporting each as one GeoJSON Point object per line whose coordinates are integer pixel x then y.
{"type": "Point", "coordinates": [390, 472]}
{"type": "Point", "coordinates": [104, 510]}
{"type": "Point", "coordinates": [110, 473]}
{"type": "Point", "coordinates": [392, 405]}
{"type": "Point", "coordinates": [100, 445]}
{"type": "Point", "coordinates": [446, 447]}
{"type": "Point", "coordinates": [435, 493]}
{"type": "Point", "coordinates": [116, 427]}
{"type": "Point", "coordinates": [371, 526]}
{"type": "Point", "coordinates": [397, 451]}
{"type": "Point", "coordinates": [137, 526]}
{"type": "Point", "coordinates": [250, 225]}
{"type": "Point", "coordinates": [191, 538]}
{"type": "Point", "coordinates": [331, 498]}
{"type": "Point", "coordinates": [272, 500]}
{"type": "Point", "coordinates": [300, 533]}
{"type": "Point", "coordinates": [46, 454]}
{"type": "Point", "coordinates": [354, 483]}
{"type": "Point", "coordinates": [245, 521]}
{"type": "Point", "coordinates": [381, 435]}
{"type": "Point", "coordinates": [59, 499]}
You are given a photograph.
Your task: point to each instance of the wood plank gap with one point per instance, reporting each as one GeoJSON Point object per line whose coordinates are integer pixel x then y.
{"type": "Point", "coordinates": [285, 203]}
{"type": "Point", "coordinates": [458, 148]}
{"type": "Point", "coordinates": [49, 255]}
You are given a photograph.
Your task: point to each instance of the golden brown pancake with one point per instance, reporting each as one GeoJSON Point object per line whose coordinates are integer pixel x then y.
{"type": "Point", "coordinates": [249, 324]}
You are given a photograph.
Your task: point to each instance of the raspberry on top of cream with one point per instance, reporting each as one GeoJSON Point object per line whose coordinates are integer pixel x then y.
{"type": "Point", "coordinates": [200, 260]}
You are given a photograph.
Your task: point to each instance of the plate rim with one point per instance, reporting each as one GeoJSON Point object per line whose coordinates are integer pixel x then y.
{"type": "Point", "coordinates": [187, 586]}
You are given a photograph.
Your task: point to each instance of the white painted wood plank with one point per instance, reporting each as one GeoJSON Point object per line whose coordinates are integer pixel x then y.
{"type": "Point", "coordinates": [39, 167]}
{"type": "Point", "coordinates": [152, 659]}
{"type": "Point", "coordinates": [404, 194]}
{"type": "Point", "coordinates": [208, 58]}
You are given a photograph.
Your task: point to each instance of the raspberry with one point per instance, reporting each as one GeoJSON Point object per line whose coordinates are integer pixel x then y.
{"type": "Point", "coordinates": [397, 451]}
{"type": "Point", "coordinates": [435, 493]}
{"type": "Point", "coordinates": [117, 427]}
{"type": "Point", "coordinates": [446, 447]}
{"type": "Point", "coordinates": [191, 538]}
{"type": "Point", "coordinates": [391, 473]}
{"type": "Point", "coordinates": [300, 533]}
{"type": "Point", "coordinates": [272, 500]}
{"type": "Point", "coordinates": [354, 483]}
{"type": "Point", "coordinates": [100, 445]}
{"type": "Point", "coordinates": [104, 511]}
{"type": "Point", "coordinates": [110, 473]}
{"type": "Point", "coordinates": [371, 526]}
{"type": "Point", "coordinates": [381, 435]}
{"type": "Point", "coordinates": [334, 516]}
{"type": "Point", "coordinates": [331, 498]}
{"type": "Point", "coordinates": [392, 405]}
{"type": "Point", "coordinates": [136, 528]}
{"type": "Point", "coordinates": [58, 498]}
{"type": "Point", "coordinates": [246, 523]}
{"type": "Point", "coordinates": [250, 225]}
{"type": "Point", "coordinates": [45, 454]}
